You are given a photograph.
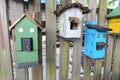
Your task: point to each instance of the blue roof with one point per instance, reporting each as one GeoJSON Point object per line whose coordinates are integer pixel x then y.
{"type": "Point", "coordinates": [57, 1]}
{"type": "Point", "coordinates": [43, 1]}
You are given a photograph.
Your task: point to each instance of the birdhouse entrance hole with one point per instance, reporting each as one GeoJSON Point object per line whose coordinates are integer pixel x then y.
{"type": "Point", "coordinates": [100, 45]}
{"type": "Point", "coordinates": [27, 44]}
{"type": "Point", "coordinates": [74, 23]}
{"type": "Point", "coordinates": [73, 26]}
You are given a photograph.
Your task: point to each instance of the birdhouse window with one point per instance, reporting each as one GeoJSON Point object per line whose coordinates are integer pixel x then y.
{"type": "Point", "coordinates": [74, 23]}
{"type": "Point", "coordinates": [105, 36]}
{"type": "Point", "coordinates": [97, 35]}
{"type": "Point", "coordinates": [32, 30]}
{"type": "Point", "coordinates": [20, 30]}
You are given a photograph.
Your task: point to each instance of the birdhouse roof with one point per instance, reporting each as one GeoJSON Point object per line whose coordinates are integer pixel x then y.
{"type": "Point", "coordinates": [98, 28]}
{"type": "Point", "coordinates": [21, 17]}
{"type": "Point", "coordinates": [62, 9]}
{"type": "Point", "coordinates": [114, 13]}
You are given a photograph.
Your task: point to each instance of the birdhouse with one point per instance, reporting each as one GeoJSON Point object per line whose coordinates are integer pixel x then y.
{"type": "Point", "coordinates": [95, 40]}
{"type": "Point", "coordinates": [27, 38]}
{"type": "Point", "coordinates": [114, 21]}
{"type": "Point", "coordinates": [70, 20]}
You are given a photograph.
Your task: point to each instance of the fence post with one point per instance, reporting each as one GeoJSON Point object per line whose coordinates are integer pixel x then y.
{"type": "Point", "coordinates": [116, 59]}
{"type": "Point", "coordinates": [108, 58]}
{"type": "Point", "coordinates": [16, 10]}
{"type": "Point", "coordinates": [50, 40]}
{"type": "Point", "coordinates": [64, 59]}
{"type": "Point", "coordinates": [6, 72]}
{"type": "Point", "coordinates": [101, 21]}
{"type": "Point", "coordinates": [37, 72]}
{"type": "Point", "coordinates": [64, 53]}
{"type": "Point", "coordinates": [77, 52]}
{"type": "Point", "coordinates": [87, 60]}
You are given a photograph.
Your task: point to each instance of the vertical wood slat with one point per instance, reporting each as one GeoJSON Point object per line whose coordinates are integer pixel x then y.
{"type": "Point", "coordinates": [77, 51]}
{"type": "Point", "coordinates": [22, 74]}
{"type": "Point", "coordinates": [31, 7]}
{"type": "Point", "coordinates": [101, 21]}
{"type": "Point", "coordinates": [102, 12]}
{"type": "Point", "coordinates": [16, 10]}
{"type": "Point", "coordinates": [87, 60]}
{"type": "Point", "coordinates": [64, 53]}
{"type": "Point", "coordinates": [81, 1]}
{"type": "Point", "coordinates": [92, 14]}
{"type": "Point", "coordinates": [108, 58]}
{"type": "Point", "coordinates": [87, 68]}
{"type": "Point", "coordinates": [64, 59]}
{"type": "Point", "coordinates": [97, 71]}
{"type": "Point", "coordinates": [6, 72]}
{"type": "Point", "coordinates": [64, 2]}
{"type": "Point", "coordinates": [38, 11]}
{"type": "Point", "coordinates": [116, 60]}
{"type": "Point", "coordinates": [37, 72]}
{"type": "Point", "coordinates": [50, 40]}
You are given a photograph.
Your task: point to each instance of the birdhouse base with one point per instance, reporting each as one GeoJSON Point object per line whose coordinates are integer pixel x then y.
{"type": "Point", "coordinates": [26, 65]}
{"type": "Point", "coordinates": [68, 39]}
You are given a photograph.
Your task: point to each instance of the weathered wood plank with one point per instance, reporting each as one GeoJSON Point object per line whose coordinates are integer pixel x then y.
{"type": "Point", "coordinates": [77, 51]}
{"type": "Point", "coordinates": [101, 21]}
{"type": "Point", "coordinates": [64, 59]}
{"type": "Point", "coordinates": [6, 72]}
{"type": "Point", "coordinates": [92, 14]}
{"type": "Point", "coordinates": [22, 74]}
{"type": "Point", "coordinates": [81, 1]}
{"type": "Point", "coordinates": [38, 15]}
{"type": "Point", "coordinates": [64, 53]}
{"type": "Point", "coordinates": [16, 10]}
{"type": "Point", "coordinates": [87, 68]}
{"type": "Point", "coordinates": [97, 71]}
{"type": "Point", "coordinates": [108, 58]}
{"type": "Point", "coordinates": [102, 12]}
{"type": "Point", "coordinates": [116, 59]}
{"type": "Point", "coordinates": [64, 2]}
{"type": "Point", "coordinates": [87, 60]}
{"type": "Point", "coordinates": [37, 72]}
{"type": "Point", "coordinates": [31, 7]}
{"type": "Point", "coordinates": [50, 40]}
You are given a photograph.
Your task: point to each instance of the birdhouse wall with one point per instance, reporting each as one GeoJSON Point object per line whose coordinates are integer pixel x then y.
{"type": "Point", "coordinates": [100, 37]}
{"type": "Point", "coordinates": [114, 24]}
{"type": "Point", "coordinates": [65, 24]}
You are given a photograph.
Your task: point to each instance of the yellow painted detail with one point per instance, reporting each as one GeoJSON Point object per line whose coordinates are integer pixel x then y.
{"type": "Point", "coordinates": [115, 20]}
{"type": "Point", "coordinates": [115, 27]}
{"type": "Point", "coordinates": [114, 24]}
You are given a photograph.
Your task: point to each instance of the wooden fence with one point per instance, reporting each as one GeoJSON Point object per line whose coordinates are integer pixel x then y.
{"type": "Point", "coordinates": [102, 69]}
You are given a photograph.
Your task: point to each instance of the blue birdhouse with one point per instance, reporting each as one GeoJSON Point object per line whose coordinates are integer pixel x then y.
{"type": "Point", "coordinates": [95, 40]}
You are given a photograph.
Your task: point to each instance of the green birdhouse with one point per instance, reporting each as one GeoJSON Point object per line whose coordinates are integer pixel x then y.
{"type": "Point", "coordinates": [28, 41]}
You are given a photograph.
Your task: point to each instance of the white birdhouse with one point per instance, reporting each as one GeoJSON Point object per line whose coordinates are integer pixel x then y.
{"type": "Point", "coordinates": [70, 20]}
